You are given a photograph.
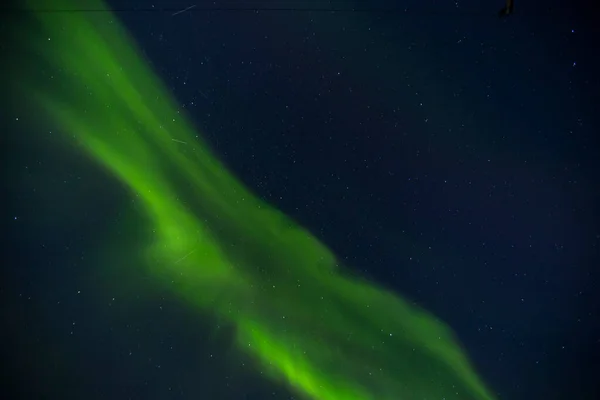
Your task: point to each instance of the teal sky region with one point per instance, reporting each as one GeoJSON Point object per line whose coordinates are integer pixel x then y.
{"type": "Point", "coordinates": [307, 323]}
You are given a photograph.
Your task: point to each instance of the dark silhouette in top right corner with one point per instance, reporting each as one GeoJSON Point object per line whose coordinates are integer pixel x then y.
{"type": "Point", "coordinates": [507, 9]}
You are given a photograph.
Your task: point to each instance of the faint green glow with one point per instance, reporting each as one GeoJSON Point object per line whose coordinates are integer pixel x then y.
{"type": "Point", "coordinates": [228, 253]}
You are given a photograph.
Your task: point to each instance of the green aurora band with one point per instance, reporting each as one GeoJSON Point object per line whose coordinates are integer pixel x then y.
{"type": "Point", "coordinates": [323, 333]}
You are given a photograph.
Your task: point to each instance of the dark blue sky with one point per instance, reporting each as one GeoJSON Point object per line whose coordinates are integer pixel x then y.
{"type": "Point", "coordinates": [440, 151]}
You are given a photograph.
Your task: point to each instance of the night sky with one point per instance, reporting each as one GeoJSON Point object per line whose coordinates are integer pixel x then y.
{"type": "Point", "coordinates": [436, 149]}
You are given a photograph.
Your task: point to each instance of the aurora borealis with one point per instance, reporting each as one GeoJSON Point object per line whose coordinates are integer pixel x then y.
{"type": "Point", "coordinates": [229, 254]}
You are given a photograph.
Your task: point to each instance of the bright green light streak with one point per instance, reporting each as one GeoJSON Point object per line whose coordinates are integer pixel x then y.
{"type": "Point", "coordinates": [326, 335]}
